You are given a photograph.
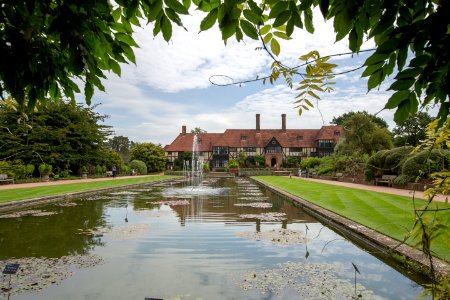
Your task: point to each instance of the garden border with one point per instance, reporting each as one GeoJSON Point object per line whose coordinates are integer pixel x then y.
{"type": "Point", "coordinates": [8, 206]}
{"type": "Point", "coordinates": [387, 246]}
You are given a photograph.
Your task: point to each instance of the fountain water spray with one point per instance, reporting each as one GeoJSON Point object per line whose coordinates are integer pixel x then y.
{"type": "Point", "coordinates": [193, 170]}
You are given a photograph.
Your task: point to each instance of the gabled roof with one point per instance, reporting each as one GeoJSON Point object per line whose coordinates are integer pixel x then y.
{"type": "Point", "coordinates": [256, 138]}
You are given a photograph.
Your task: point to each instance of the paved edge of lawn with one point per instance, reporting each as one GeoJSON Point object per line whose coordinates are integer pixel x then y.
{"type": "Point", "coordinates": [372, 239]}
{"type": "Point", "coordinates": [18, 204]}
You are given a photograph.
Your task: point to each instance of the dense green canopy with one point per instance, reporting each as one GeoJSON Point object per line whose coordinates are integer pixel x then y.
{"type": "Point", "coordinates": [46, 44]}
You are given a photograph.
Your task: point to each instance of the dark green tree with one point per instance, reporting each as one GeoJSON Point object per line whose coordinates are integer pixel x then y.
{"type": "Point", "coordinates": [340, 120]}
{"type": "Point", "coordinates": [362, 136]}
{"type": "Point", "coordinates": [61, 134]}
{"type": "Point", "coordinates": [412, 130]}
{"type": "Point", "coordinates": [152, 155]}
{"type": "Point", "coordinates": [45, 44]}
{"type": "Point", "coordinates": [198, 130]}
{"type": "Point", "coordinates": [120, 144]}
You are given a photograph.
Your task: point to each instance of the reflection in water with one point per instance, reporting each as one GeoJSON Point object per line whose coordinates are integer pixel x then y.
{"type": "Point", "coordinates": [193, 250]}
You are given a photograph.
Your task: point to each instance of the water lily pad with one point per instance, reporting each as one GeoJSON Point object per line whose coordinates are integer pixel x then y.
{"type": "Point", "coordinates": [255, 205]}
{"type": "Point", "coordinates": [284, 237]}
{"type": "Point", "coordinates": [171, 203]}
{"type": "Point", "coordinates": [310, 281]}
{"type": "Point", "coordinates": [271, 217]}
{"type": "Point", "coordinates": [30, 212]}
{"type": "Point", "coordinates": [38, 273]}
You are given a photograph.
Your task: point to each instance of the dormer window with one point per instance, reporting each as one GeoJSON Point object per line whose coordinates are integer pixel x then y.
{"type": "Point", "coordinates": [337, 133]}
{"type": "Point", "coordinates": [299, 137]}
{"type": "Point", "coordinates": [243, 137]}
{"type": "Point", "coordinates": [199, 141]}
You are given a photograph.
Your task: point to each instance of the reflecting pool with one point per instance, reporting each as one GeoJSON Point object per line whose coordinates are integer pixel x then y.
{"type": "Point", "coordinates": [228, 239]}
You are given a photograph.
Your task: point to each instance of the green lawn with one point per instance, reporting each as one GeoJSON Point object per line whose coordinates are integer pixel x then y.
{"type": "Point", "coordinates": [388, 214]}
{"type": "Point", "coordinates": [42, 191]}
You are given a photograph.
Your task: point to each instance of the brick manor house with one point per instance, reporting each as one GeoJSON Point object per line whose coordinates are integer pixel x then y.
{"type": "Point", "coordinates": [276, 145]}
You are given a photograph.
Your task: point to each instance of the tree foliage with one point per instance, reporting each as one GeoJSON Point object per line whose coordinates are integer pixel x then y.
{"type": "Point", "coordinates": [363, 136]}
{"type": "Point", "coordinates": [61, 134]}
{"type": "Point", "coordinates": [152, 155]}
{"type": "Point", "coordinates": [412, 130]}
{"type": "Point", "coordinates": [120, 144]}
{"type": "Point", "coordinates": [46, 44]}
{"type": "Point", "coordinates": [340, 120]}
{"type": "Point", "coordinates": [198, 130]}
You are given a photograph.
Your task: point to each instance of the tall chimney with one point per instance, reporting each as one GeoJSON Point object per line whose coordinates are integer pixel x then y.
{"type": "Point", "coordinates": [183, 129]}
{"type": "Point", "coordinates": [258, 127]}
{"type": "Point", "coordinates": [283, 122]}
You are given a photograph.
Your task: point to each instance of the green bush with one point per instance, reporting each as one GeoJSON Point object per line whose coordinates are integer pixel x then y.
{"type": "Point", "coordinates": [139, 166]}
{"type": "Point", "coordinates": [375, 165]}
{"type": "Point", "coordinates": [45, 169]}
{"type": "Point", "coordinates": [325, 166]}
{"type": "Point", "coordinates": [310, 162]}
{"type": "Point", "coordinates": [395, 158]}
{"type": "Point", "coordinates": [259, 160]}
{"type": "Point", "coordinates": [424, 163]}
{"type": "Point", "coordinates": [29, 170]}
{"type": "Point", "coordinates": [233, 164]}
{"type": "Point", "coordinates": [98, 170]}
{"type": "Point", "coordinates": [124, 170]}
{"type": "Point", "coordinates": [15, 169]}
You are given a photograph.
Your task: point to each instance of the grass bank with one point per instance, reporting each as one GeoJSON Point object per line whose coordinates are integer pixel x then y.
{"type": "Point", "coordinates": [52, 190]}
{"type": "Point", "coordinates": [388, 214]}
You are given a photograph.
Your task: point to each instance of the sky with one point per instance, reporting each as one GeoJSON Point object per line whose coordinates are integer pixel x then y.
{"type": "Point", "coordinates": [169, 85]}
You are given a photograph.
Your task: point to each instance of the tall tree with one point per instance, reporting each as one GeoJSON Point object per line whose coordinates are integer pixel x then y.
{"type": "Point", "coordinates": [362, 135]}
{"type": "Point", "coordinates": [198, 130]}
{"type": "Point", "coordinates": [340, 120]}
{"type": "Point", "coordinates": [412, 130]}
{"type": "Point", "coordinates": [151, 154]}
{"type": "Point", "coordinates": [60, 134]}
{"type": "Point", "coordinates": [46, 43]}
{"type": "Point", "coordinates": [120, 144]}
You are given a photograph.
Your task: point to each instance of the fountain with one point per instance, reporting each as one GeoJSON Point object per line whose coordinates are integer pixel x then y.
{"type": "Point", "coordinates": [193, 170]}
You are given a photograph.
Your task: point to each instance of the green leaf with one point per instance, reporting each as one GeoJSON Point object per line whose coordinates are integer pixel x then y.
{"type": "Point", "coordinates": [402, 112]}
{"type": "Point", "coordinates": [324, 4]}
{"type": "Point", "coordinates": [265, 29]}
{"type": "Point", "coordinates": [402, 84]}
{"type": "Point", "coordinates": [176, 6]}
{"type": "Point", "coordinates": [239, 35]}
{"type": "Point", "coordinates": [88, 92]}
{"type": "Point", "coordinates": [252, 17]}
{"type": "Point", "coordinates": [115, 67]}
{"type": "Point", "coordinates": [154, 10]}
{"type": "Point", "coordinates": [187, 4]}
{"type": "Point", "coordinates": [229, 29]}
{"type": "Point", "coordinates": [126, 39]}
{"type": "Point", "coordinates": [312, 94]}
{"type": "Point", "coordinates": [282, 18]}
{"type": "Point", "coordinates": [209, 20]}
{"type": "Point", "coordinates": [308, 20]}
{"type": "Point", "coordinates": [278, 9]}
{"type": "Point", "coordinates": [275, 46]}
{"type": "Point", "coordinates": [372, 68]}
{"type": "Point", "coordinates": [255, 8]}
{"type": "Point", "coordinates": [132, 7]}
{"type": "Point", "coordinates": [375, 59]}
{"type": "Point", "coordinates": [172, 15]}
{"type": "Point", "coordinates": [249, 29]}
{"type": "Point", "coordinates": [375, 79]}
{"type": "Point", "coordinates": [166, 28]}
{"type": "Point", "coordinates": [116, 14]}
{"type": "Point", "coordinates": [290, 27]}
{"type": "Point", "coordinates": [396, 99]}
{"type": "Point", "coordinates": [281, 35]}
{"type": "Point", "coordinates": [401, 58]}
{"type": "Point", "coordinates": [267, 38]}
{"type": "Point", "coordinates": [419, 60]}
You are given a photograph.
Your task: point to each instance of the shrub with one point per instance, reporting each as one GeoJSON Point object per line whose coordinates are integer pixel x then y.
{"type": "Point", "coordinates": [14, 168]}
{"type": "Point", "coordinates": [233, 164]}
{"type": "Point", "coordinates": [424, 163]}
{"type": "Point", "coordinates": [310, 162]}
{"type": "Point", "coordinates": [205, 167]}
{"type": "Point", "coordinates": [375, 165]}
{"type": "Point", "coordinates": [45, 169]}
{"type": "Point", "coordinates": [325, 166]}
{"type": "Point", "coordinates": [29, 170]}
{"type": "Point", "coordinates": [98, 169]}
{"type": "Point", "coordinates": [139, 166]}
{"type": "Point", "coordinates": [124, 169]}
{"type": "Point", "coordinates": [395, 158]}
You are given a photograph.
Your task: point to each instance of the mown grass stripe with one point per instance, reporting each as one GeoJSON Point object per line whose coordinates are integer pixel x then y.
{"type": "Point", "coordinates": [391, 215]}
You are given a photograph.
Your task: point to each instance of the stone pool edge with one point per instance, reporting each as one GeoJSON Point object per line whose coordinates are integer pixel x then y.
{"type": "Point", "coordinates": [8, 206]}
{"type": "Point", "coordinates": [367, 236]}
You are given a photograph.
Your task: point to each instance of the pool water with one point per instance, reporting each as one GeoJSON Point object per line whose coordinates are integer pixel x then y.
{"type": "Point", "coordinates": [132, 248]}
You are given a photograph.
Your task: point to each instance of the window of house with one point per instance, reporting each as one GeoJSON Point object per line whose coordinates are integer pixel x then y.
{"type": "Point", "coordinates": [326, 143]}
{"type": "Point", "coordinates": [337, 133]}
{"type": "Point", "coordinates": [220, 150]}
{"type": "Point", "coordinates": [299, 137]}
{"type": "Point", "coordinates": [295, 149]}
{"type": "Point", "coordinates": [249, 149]}
{"type": "Point", "coordinates": [243, 137]}
{"type": "Point", "coordinates": [232, 149]}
